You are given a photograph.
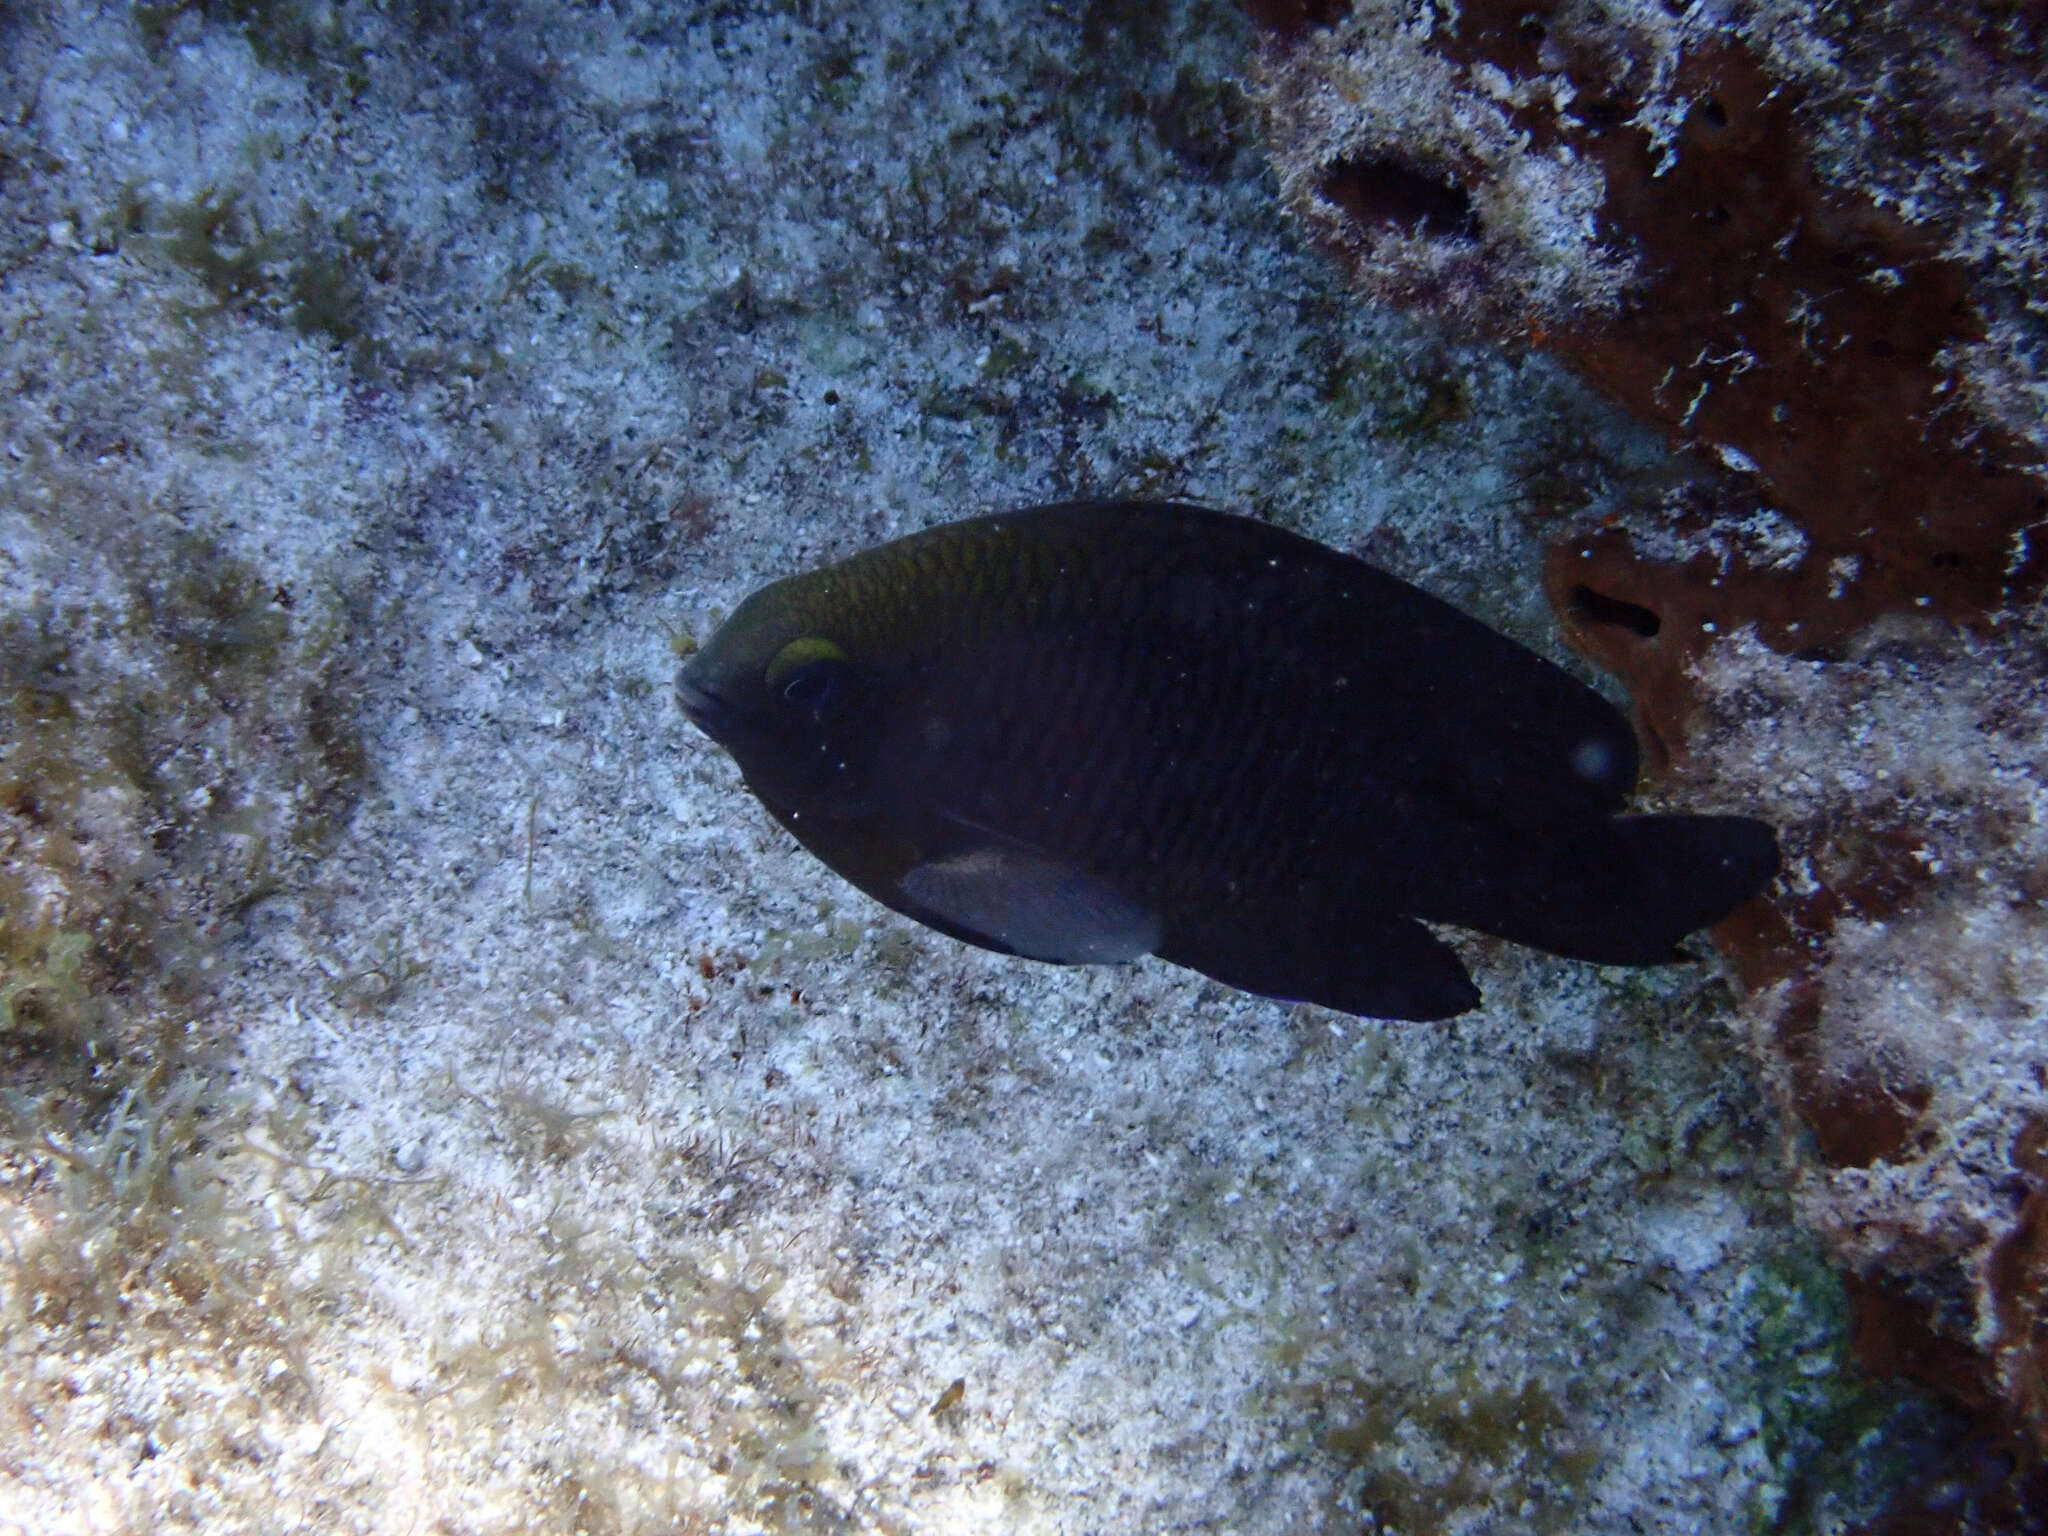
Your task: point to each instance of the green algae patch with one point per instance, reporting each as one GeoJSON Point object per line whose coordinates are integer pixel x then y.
{"type": "Point", "coordinates": [175, 727]}
{"type": "Point", "coordinates": [304, 36]}
{"type": "Point", "coordinates": [173, 749]}
{"type": "Point", "coordinates": [316, 273]}
{"type": "Point", "coordinates": [1419, 1459]}
{"type": "Point", "coordinates": [1835, 1441]}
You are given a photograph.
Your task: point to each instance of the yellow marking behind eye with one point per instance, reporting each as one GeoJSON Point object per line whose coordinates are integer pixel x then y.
{"type": "Point", "coordinates": [799, 653]}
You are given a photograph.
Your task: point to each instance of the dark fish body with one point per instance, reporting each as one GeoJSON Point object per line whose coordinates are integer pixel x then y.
{"type": "Point", "coordinates": [1093, 731]}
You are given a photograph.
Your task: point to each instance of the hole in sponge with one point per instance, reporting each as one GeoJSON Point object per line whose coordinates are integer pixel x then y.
{"type": "Point", "coordinates": [1599, 608]}
{"type": "Point", "coordinates": [1390, 194]}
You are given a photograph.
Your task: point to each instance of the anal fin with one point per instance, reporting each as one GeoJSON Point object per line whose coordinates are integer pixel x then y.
{"type": "Point", "coordinates": [1379, 965]}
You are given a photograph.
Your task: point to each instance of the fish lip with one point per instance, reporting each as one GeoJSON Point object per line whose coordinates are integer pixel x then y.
{"type": "Point", "coordinates": [704, 709]}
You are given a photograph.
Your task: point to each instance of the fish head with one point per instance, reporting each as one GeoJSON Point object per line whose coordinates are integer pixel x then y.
{"type": "Point", "coordinates": [780, 688]}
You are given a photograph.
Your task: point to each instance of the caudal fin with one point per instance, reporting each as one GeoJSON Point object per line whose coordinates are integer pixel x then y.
{"type": "Point", "coordinates": [1626, 892]}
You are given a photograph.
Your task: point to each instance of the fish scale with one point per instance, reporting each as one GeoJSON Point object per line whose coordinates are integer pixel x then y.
{"type": "Point", "coordinates": [1194, 793]}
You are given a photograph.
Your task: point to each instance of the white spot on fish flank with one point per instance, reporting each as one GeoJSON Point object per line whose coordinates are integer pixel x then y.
{"type": "Point", "coordinates": [1592, 759]}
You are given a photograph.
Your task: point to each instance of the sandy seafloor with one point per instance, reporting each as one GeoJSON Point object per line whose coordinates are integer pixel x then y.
{"type": "Point", "coordinates": [555, 1146]}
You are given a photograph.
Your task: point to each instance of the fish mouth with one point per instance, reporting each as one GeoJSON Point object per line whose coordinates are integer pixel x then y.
{"type": "Point", "coordinates": [704, 709]}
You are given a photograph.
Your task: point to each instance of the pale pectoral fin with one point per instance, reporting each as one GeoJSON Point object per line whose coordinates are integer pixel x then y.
{"type": "Point", "coordinates": [1012, 898]}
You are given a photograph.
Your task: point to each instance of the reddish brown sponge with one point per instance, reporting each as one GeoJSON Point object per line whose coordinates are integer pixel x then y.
{"type": "Point", "coordinates": [1805, 340]}
{"type": "Point", "coordinates": [1791, 329]}
{"type": "Point", "coordinates": [1809, 248]}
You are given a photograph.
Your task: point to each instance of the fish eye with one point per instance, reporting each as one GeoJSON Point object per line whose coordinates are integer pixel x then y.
{"type": "Point", "coordinates": [817, 686]}
{"type": "Point", "coordinates": [799, 653]}
{"type": "Point", "coordinates": [811, 674]}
